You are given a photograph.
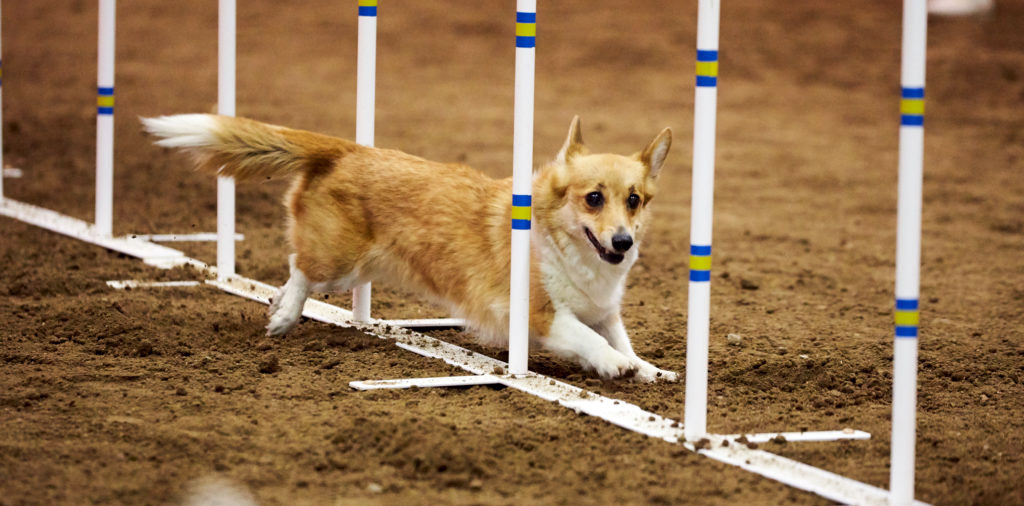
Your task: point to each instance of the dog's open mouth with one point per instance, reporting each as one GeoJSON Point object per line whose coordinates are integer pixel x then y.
{"type": "Point", "coordinates": [607, 256]}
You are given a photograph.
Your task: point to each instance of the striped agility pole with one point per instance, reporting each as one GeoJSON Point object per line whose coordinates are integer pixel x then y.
{"type": "Point", "coordinates": [522, 191]}
{"type": "Point", "coordinates": [226, 53]}
{"type": "Point", "coordinates": [1, 126]}
{"type": "Point", "coordinates": [366, 76]}
{"type": "Point", "coordinates": [699, 301]}
{"type": "Point", "coordinates": [105, 119]}
{"type": "Point", "coordinates": [908, 253]}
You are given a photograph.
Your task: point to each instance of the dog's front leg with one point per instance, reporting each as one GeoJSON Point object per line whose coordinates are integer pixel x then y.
{"type": "Point", "coordinates": [572, 339]}
{"type": "Point", "coordinates": [615, 332]}
{"type": "Point", "coordinates": [286, 308]}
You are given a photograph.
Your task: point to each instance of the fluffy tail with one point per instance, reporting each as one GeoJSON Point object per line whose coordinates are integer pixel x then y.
{"type": "Point", "coordinates": [247, 149]}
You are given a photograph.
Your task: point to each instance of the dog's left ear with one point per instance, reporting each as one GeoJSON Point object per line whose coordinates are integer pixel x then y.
{"type": "Point", "coordinates": [653, 156]}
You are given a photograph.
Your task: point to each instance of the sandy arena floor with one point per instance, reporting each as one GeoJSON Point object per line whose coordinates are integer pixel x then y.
{"type": "Point", "coordinates": [128, 397]}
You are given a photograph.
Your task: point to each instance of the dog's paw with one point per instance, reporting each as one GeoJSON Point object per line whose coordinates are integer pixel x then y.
{"type": "Point", "coordinates": [612, 364]}
{"type": "Point", "coordinates": [280, 323]}
{"type": "Point", "coordinates": [648, 373]}
{"type": "Point", "coordinates": [283, 317]}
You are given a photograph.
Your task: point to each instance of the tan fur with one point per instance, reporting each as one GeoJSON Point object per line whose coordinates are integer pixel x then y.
{"type": "Point", "coordinates": [369, 214]}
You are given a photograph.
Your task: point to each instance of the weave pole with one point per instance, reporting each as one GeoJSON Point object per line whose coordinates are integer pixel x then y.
{"type": "Point", "coordinates": [699, 299]}
{"type": "Point", "coordinates": [908, 252]}
{"type": "Point", "coordinates": [366, 78]}
{"type": "Point", "coordinates": [522, 190]}
{"type": "Point", "coordinates": [1, 122]}
{"type": "Point", "coordinates": [105, 119]}
{"type": "Point", "coordinates": [226, 107]}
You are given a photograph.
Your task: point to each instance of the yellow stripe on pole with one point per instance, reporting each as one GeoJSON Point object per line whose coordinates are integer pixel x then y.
{"type": "Point", "coordinates": [907, 318]}
{"type": "Point", "coordinates": [520, 213]}
{"type": "Point", "coordinates": [912, 106]}
{"type": "Point", "coordinates": [707, 68]}
{"type": "Point", "coordinates": [526, 29]}
{"type": "Point", "coordinates": [700, 263]}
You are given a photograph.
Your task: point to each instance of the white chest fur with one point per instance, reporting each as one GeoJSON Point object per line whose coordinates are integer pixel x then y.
{"type": "Point", "coordinates": [578, 281]}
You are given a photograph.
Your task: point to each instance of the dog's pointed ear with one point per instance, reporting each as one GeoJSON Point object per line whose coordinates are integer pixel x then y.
{"type": "Point", "coordinates": [653, 156]}
{"type": "Point", "coordinates": [573, 142]}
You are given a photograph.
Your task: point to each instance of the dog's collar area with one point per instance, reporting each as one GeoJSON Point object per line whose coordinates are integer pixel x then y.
{"type": "Point", "coordinates": [607, 256]}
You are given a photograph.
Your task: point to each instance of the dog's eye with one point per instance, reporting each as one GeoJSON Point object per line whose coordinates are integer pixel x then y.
{"type": "Point", "coordinates": [633, 201]}
{"type": "Point", "coordinates": [595, 199]}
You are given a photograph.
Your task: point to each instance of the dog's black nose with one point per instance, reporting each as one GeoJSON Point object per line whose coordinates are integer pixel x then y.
{"type": "Point", "coordinates": [622, 242]}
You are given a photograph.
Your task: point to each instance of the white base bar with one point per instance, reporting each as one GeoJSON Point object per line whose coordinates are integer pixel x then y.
{"type": "Point", "coordinates": [426, 323]}
{"type": "Point", "coordinates": [621, 413]}
{"type": "Point", "coordinates": [795, 474]}
{"type": "Point", "coordinates": [807, 436]}
{"type": "Point", "coordinates": [12, 173]}
{"type": "Point", "coordinates": [150, 253]}
{"type": "Point", "coordinates": [131, 283]}
{"type": "Point", "coordinates": [197, 237]}
{"type": "Point", "coordinates": [447, 381]}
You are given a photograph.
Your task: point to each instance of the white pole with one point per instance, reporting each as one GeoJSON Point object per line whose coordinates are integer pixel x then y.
{"type": "Point", "coordinates": [522, 188]}
{"type": "Point", "coordinates": [105, 120]}
{"type": "Point", "coordinates": [699, 303]}
{"type": "Point", "coordinates": [226, 107]}
{"type": "Point", "coordinates": [366, 77]}
{"type": "Point", "coordinates": [1, 126]}
{"type": "Point", "coordinates": [908, 253]}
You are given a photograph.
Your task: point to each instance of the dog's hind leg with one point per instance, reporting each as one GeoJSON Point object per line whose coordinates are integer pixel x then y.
{"type": "Point", "coordinates": [286, 307]}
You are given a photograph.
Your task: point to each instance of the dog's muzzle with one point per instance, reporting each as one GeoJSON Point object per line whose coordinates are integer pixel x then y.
{"type": "Point", "coordinates": [607, 256]}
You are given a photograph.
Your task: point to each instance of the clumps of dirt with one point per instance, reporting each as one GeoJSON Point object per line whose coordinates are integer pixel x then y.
{"type": "Point", "coordinates": [269, 365]}
{"type": "Point", "coordinates": [748, 443]}
{"type": "Point", "coordinates": [351, 339]}
{"type": "Point", "coordinates": [409, 445]}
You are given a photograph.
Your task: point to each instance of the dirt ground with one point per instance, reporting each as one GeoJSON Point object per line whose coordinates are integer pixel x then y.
{"type": "Point", "coordinates": [129, 397]}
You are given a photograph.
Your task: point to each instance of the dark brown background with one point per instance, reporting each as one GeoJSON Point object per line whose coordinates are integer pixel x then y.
{"type": "Point", "coordinates": [111, 397]}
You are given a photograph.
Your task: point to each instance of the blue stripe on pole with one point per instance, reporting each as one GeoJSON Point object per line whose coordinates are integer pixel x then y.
{"type": "Point", "coordinates": [526, 17]}
{"type": "Point", "coordinates": [906, 331]}
{"type": "Point", "coordinates": [906, 304]}
{"type": "Point", "coordinates": [912, 119]}
{"type": "Point", "coordinates": [520, 224]}
{"type": "Point", "coordinates": [521, 200]}
{"type": "Point", "coordinates": [707, 55]}
{"type": "Point", "coordinates": [913, 93]}
{"type": "Point", "coordinates": [526, 41]}
{"type": "Point", "coordinates": [700, 262]}
{"type": "Point", "coordinates": [367, 11]}
{"type": "Point", "coordinates": [706, 81]}
{"type": "Point", "coordinates": [105, 100]}
{"type": "Point", "coordinates": [700, 250]}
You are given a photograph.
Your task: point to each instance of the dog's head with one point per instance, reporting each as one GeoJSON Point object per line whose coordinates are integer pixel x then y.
{"type": "Point", "coordinates": [600, 200]}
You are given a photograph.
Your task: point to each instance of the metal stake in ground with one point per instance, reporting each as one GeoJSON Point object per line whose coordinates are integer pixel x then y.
{"type": "Point", "coordinates": [699, 301]}
{"type": "Point", "coordinates": [908, 252]}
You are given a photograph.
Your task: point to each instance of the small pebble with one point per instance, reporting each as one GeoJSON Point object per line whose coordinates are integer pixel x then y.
{"type": "Point", "coordinates": [734, 339]}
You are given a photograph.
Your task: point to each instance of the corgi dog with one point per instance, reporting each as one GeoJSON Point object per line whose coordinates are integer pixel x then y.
{"type": "Point", "coordinates": [358, 214]}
